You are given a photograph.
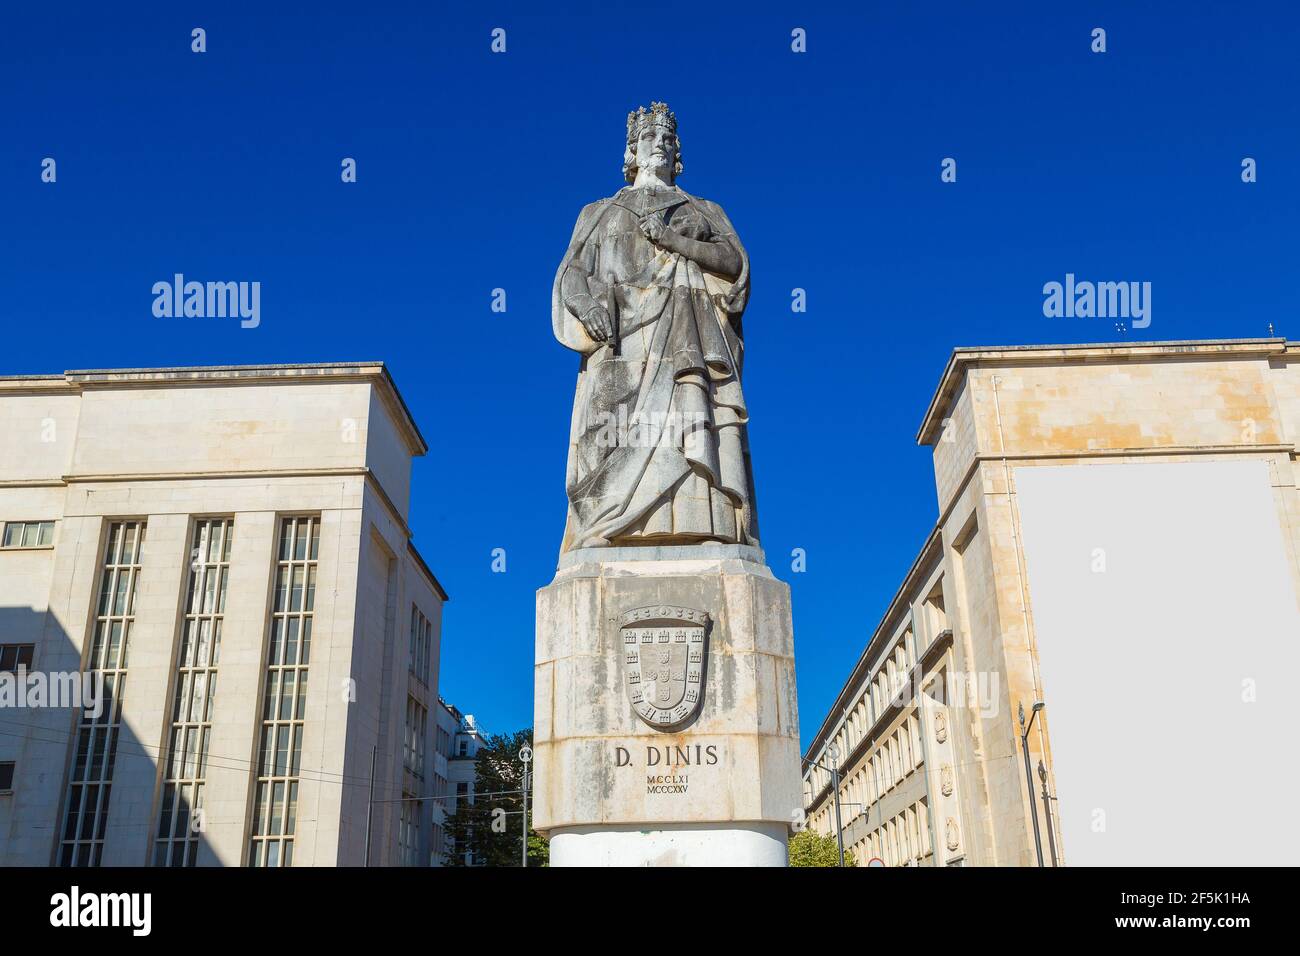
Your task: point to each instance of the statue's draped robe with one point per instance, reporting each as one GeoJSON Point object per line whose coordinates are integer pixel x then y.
{"type": "Point", "coordinates": [658, 449]}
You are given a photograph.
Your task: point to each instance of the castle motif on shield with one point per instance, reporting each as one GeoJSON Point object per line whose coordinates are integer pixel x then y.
{"type": "Point", "coordinates": [665, 648]}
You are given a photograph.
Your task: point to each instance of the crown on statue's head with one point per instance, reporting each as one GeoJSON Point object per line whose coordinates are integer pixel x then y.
{"type": "Point", "coordinates": [657, 115]}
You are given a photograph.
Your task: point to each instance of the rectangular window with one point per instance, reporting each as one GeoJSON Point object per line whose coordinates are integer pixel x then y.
{"type": "Point", "coordinates": [7, 777]}
{"type": "Point", "coordinates": [91, 776]}
{"type": "Point", "coordinates": [421, 645]}
{"type": "Point", "coordinates": [275, 799]}
{"type": "Point", "coordinates": [414, 652]}
{"type": "Point", "coordinates": [417, 725]}
{"type": "Point", "coordinates": [185, 758]}
{"type": "Point", "coordinates": [14, 656]}
{"type": "Point", "coordinates": [923, 824]}
{"type": "Point", "coordinates": [408, 831]}
{"type": "Point", "coordinates": [28, 534]}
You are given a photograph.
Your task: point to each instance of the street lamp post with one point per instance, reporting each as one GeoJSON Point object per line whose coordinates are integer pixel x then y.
{"type": "Point", "coordinates": [525, 757]}
{"type": "Point", "coordinates": [834, 751]}
{"type": "Point", "coordinates": [1047, 811]}
{"type": "Point", "coordinates": [1029, 777]}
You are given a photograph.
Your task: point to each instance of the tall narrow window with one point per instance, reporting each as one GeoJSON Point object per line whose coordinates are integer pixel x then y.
{"type": "Point", "coordinates": [275, 801]}
{"type": "Point", "coordinates": [91, 777]}
{"type": "Point", "coordinates": [185, 760]}
{"type": "Point", "coordinates": [421, 642]}
{"type": "Point", "coordinates": [417, 726]}
{"type": "Point", "coordinates": [408, 833]}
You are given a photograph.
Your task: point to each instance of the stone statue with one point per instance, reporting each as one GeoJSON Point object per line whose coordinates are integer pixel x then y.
{"type": "Point", "coordinates": [651, 293]}
{"type": "Point", "coordinates": [666, 720]}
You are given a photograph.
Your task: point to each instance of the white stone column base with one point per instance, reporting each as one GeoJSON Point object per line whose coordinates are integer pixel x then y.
{"type": "Point", "coordinates": [704, 844]}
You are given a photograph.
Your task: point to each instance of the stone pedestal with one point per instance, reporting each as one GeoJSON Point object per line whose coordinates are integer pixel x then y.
{"type": "Point", "coordinates": [666, 727]}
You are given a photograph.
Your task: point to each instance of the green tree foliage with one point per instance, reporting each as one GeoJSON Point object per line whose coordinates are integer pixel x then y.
{"type": "Point", "coordinates": [489, 828]}
{"type": "Point", "coordinates": [810, 848]}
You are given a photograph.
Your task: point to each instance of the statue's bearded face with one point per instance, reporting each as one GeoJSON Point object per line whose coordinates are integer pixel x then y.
{"type": "Point", "coordinates": [656, 151]}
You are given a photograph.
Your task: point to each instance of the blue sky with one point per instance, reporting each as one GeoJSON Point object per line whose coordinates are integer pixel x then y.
{"type": "Point", "coordinates": [472, 168]}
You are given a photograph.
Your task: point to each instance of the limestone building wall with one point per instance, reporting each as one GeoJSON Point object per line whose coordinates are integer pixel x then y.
{"type": "Point", "coordinates": [191, 456]}
{"type": "Point", "coordinates": [997, 415]}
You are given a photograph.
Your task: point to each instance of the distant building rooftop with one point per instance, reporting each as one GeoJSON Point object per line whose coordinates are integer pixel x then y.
{"type": "Point", "coordinates": [970, 356]}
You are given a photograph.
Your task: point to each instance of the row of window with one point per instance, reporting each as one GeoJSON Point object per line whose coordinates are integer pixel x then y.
{"type": "Point", "coordinates": [183, 763]}
{"type": "Point", "coordinates": [894, 760]}
{"type": "Point", "coordinates": [887, 682]}
{"type": "Point", "coordinates": [28, 534]}
{"type": "Point", "coordinates": [902, 840]}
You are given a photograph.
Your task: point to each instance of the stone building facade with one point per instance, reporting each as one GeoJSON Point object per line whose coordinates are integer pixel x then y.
{"type": "Point", "coordinates": [455, 766]}
{"type": "Point", "coordinates": [1117, 539]}
{"type": "Point", "coordinates": [228, 549]}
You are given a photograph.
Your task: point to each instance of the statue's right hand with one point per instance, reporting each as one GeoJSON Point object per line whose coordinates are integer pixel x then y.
{"type": "Point", "coordinates": [598, 323]}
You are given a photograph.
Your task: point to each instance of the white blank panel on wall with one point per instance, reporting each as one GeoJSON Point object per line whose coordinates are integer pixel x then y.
{"type": "Point", "coordinates": [1169, 639]}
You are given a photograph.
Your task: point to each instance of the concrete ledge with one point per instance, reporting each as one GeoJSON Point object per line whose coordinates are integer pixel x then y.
{"type": "Point", "coordinates": [739, 844]}
{"type": "Point", "coordinates": [678, 552]}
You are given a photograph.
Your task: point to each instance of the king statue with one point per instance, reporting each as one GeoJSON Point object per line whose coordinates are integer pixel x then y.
{"type": "Point", "coordinates": [651, 293]}
{"type": "Point", "coordinates": [665, 716]}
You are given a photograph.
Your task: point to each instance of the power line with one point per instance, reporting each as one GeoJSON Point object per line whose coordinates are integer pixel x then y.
{"type": "Point", "coordinates": [161, 754]}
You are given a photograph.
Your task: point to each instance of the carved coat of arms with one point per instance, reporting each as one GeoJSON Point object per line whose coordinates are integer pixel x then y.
{"type": "Point", "coordinates": [665, 648]}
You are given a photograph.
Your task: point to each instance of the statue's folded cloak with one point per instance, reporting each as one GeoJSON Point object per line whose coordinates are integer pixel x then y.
{"type": "Point", "coordinates": [658, 447]}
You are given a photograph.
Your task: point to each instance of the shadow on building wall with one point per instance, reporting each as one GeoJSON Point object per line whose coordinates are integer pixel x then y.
{"type": "Point", "coordinates": [86, 791]}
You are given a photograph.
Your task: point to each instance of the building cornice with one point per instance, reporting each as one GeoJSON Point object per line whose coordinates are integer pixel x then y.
{"type": "Point", "coordinates": [76, 381]}
{"type": "Point", "coordinates": [433, 578]}
{"type": "Point", "coordinates": [963, 359]}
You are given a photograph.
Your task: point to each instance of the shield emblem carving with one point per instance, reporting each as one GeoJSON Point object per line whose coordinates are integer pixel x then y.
{"type": "Point", "coordinates": [664, 651]}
